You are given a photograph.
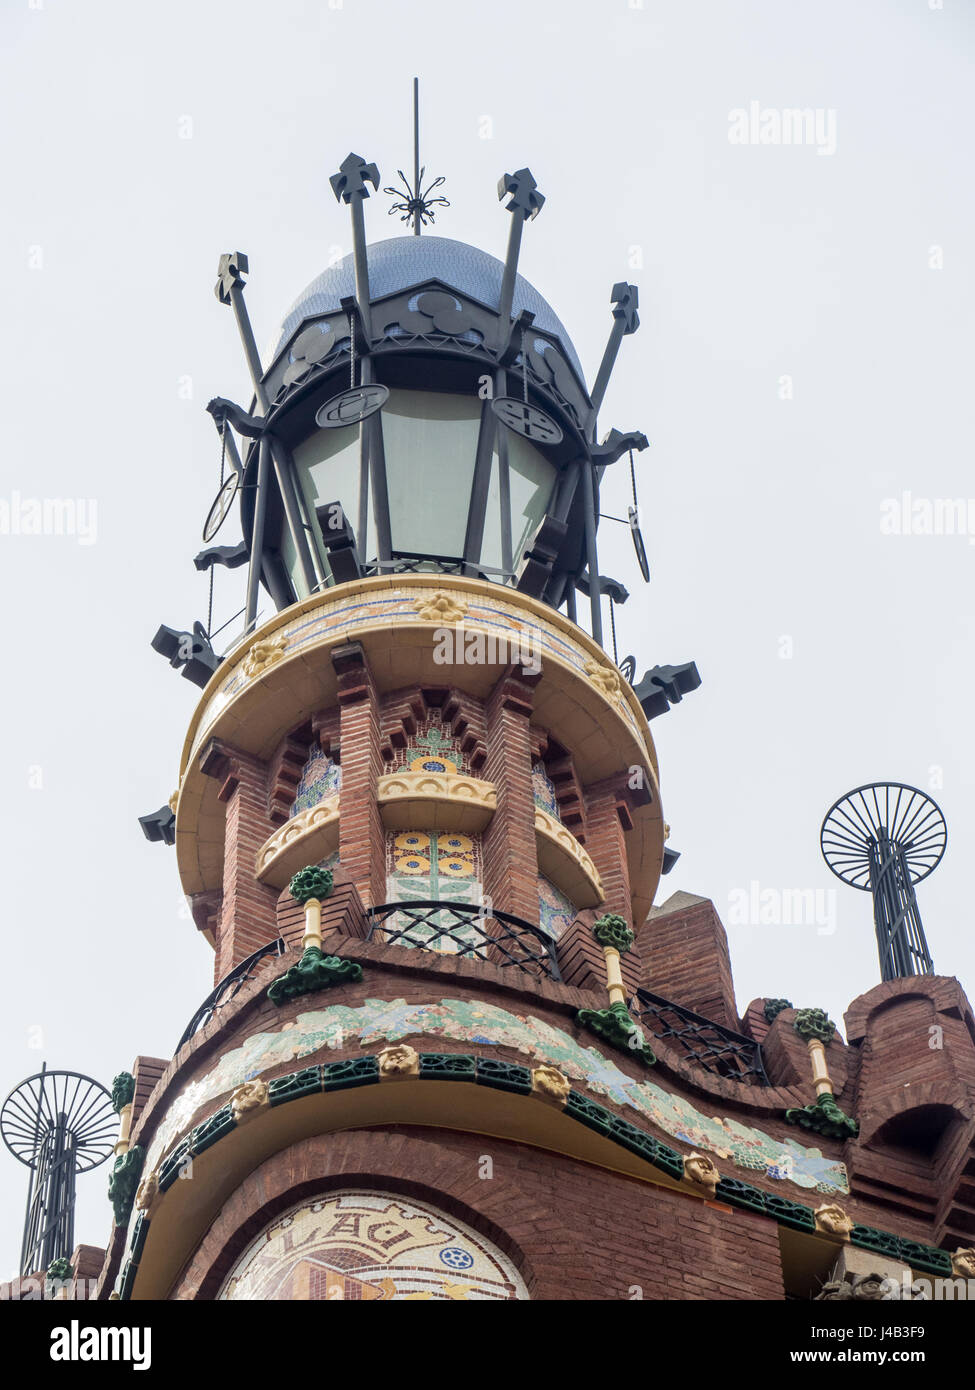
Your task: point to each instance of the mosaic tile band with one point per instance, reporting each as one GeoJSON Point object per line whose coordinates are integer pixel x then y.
{"type": "Point", "coordinates": [378, 1020]}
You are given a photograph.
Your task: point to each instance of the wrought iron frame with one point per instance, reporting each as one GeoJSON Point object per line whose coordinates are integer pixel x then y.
{"type": "Point", "coordinates": [882, 838]}
{"type": "Point", "coordinates": [58, 1124]}
{"type": "Point", "coordinates": [504, 940]}
{"type": "Point", "coordinates": [709, 1045]}
{"type": "Point", "coordinates": [570, 460]}
{"type": "Point", "coordinates": [489, 333]}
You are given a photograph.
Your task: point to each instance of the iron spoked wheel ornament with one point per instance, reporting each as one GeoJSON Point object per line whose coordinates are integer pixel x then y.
{"type": "Point", "coordinates": [883, 814]}
{"type": "Point", "coordinates": [51, 1100]}
{"type": "Point", "coordinates": [357, 402]}
{"type": "Point", "coordinates": [633, 516]}
{"type": "Point", "coordinates": [58, 1124]}
{"type": "Point", "coordinates": [628, 669]}
{"type": "Point", "coordinates": [220, 507]}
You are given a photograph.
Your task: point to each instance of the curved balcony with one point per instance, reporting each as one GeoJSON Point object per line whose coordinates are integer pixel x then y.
{"type": "Point", "coordinates": [440, 800]}
{"type": "Point", "coordinates": [307, 838]}
{"type": "Point", "coordinates": [465, 929]}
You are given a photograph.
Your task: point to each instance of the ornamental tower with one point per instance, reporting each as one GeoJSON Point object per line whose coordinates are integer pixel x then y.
{"type": "Point", "coordinates": [453, 1050]}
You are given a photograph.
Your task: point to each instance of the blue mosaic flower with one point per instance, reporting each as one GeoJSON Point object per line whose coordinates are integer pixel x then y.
{"type": "Point", "coordinates": [455, 1258]}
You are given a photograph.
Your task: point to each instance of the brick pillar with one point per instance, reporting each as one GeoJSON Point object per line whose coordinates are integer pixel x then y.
{"type": "Point", "coordinates": [685, 957]}
{"type": "Point", "coordinates": [510, 859]}
{"type": "Point", "coordinates": [247, 913]}
{"type": "Point", "coordinates": [362, 842]}
{"type": "Point", "coordinates": [916, 1099]}
{"type": "Point", "coordinates": [607, 816]}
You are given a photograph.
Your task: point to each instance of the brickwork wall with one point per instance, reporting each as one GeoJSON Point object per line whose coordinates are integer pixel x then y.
{"type": "Point", "coordinates": [147, 1071]}
{"type": "Point", "coordinates": [581, 958]}
{"type": "Point", "coordinates": [510, 859]}
{"type": "Point", "coordinates": [247, 908]}
{"type": "Point", "coordinates": [361, 838]}
{"type": "Point", "coordinates": [574, 1232]}
{"type": "Point", "coordinates": [607, 816]}
{"type": "Point", "coordinates": [685, 954]}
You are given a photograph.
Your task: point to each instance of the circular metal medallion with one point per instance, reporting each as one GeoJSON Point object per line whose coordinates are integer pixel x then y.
{"type": "Point", "coordinates": [351, 406]}
{"type": "Point", "coordinates": [638, 546]}
{"type": "Point", "coordinates": [527, 420]}
{"type": "Point", "coordinates": [221, 506]}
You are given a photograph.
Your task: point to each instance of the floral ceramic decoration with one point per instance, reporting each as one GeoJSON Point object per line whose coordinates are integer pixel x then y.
{"type": "Point", "coordinates": [486, 1025]}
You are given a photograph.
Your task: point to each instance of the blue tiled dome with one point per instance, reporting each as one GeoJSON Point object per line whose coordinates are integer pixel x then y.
{"type": "Point", "coordinates": [409, 260]}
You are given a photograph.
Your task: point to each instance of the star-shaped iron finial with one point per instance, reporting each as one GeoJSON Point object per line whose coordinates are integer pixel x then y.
{"type": "Point", "coordinates": [414, 201]}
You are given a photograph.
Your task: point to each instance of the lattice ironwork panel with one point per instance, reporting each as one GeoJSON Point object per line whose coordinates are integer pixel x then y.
{"type": "Point", "coordinates": [700, 1040]}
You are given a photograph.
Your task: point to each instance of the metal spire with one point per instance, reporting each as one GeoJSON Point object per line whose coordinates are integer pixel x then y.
{"type": "Point", "coordinates": [415, 203]}
{"type": "Point", "coordinates": [883, 838]}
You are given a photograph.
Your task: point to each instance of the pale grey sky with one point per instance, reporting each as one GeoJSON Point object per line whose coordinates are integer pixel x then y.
{"type": "Point", "coordinates": [762, 515]}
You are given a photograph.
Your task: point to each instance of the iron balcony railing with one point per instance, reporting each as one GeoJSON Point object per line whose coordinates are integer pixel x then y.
{"type": "Point", "coordinates": [462, 929]}
{"type": "Point", "coordinates": [500, 938]}
{"type": "Point", "coordinates": [707, 1044]}
{"type": "Point", "coordinates": [467, 930]}
{"type": "Point", "coordinates": [229, 986]}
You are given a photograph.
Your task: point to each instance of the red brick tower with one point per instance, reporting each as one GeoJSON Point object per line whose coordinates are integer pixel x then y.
{"type": "Point", "coordinates": [453, 1051]}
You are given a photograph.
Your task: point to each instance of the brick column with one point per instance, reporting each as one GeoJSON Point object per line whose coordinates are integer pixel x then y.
{"type": "Point", "coordinates": [362, 842]}
{"type": "Point", "coordinates": [247, 912]}
{"type": "Point", "coordinates": [607, 816]}
{"type": "Point", "coordinates": [685, 957]}
{"type": "Point", "coordinates": [510, 859]}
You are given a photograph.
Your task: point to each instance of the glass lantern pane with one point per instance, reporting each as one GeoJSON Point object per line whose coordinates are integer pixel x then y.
{"type": "Point", "coordinates": [531, 485]}
{"type": "Point", "coordinates": [327, 466]}
{"type": "Point", "coordinates": [430, 438]}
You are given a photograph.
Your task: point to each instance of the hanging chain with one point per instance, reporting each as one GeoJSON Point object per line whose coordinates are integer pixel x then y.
{"type": "Point", "coordinates": [223, 465]}
{"type": "Point", "coordinates": [633, 481]}
{"type": "Point", "coordinates": [524, 368]}
{"type": "Point", "coordinates": [351, 351]}
{"type": "Point", "coordinates": [612, 623]}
